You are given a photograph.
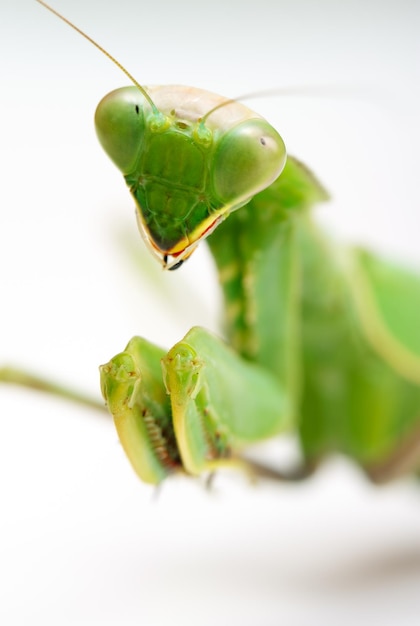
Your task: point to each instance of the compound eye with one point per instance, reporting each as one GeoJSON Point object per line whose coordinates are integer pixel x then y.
{"type": "Point", "coordinates": [119, 123]}
{"type": "Point", "coordinates": [248, 159]}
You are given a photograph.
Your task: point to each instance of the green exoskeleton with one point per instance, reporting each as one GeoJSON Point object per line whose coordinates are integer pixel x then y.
{"type": "Point", "coordinates": [319, 340]}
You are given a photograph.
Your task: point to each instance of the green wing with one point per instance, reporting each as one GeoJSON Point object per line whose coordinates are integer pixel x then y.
{"type": "Point", "coordinates": [388, 303]}
{"type": "Point", "coordinates": [357, 396]}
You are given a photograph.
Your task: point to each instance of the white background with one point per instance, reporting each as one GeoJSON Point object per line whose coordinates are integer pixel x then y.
{"type": "Point", "coordinates": [82, 541]}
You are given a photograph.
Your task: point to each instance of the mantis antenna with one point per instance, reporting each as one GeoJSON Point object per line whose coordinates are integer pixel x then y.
{"type": "Point", "coordinates": [311, 91]}
{"type": "Point", "coordinates": [323, 90]}
{"type": "Point", "coordinates": [107, 54]}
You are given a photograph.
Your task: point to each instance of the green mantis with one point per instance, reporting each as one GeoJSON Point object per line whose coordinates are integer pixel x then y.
{"type": "Point", "coordinates": [319, 341]}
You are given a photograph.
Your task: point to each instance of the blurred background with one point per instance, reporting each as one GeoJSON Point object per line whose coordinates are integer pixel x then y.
{"type": "Point", "coordinates": [82, 540]}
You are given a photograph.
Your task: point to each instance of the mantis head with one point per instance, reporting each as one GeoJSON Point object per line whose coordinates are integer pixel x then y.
{"type": "Point", "coordinates": [188, 156]}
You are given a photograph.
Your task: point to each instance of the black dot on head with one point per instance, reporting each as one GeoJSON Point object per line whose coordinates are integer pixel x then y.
{"type": "Point", "coordinates": [137, 109]}
{"type": "Point", "coordinates": [262, 141]}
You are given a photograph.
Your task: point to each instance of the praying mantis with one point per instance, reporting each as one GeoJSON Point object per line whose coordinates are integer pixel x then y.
{"type": "Point", "coordinates": [319, 341]}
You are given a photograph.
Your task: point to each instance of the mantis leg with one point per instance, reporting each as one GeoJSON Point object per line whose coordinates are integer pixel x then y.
{"type": "Point", "coordinates": [22, 378]}
{"type": "Point", "coordinates": [192, 409]}
{"type": "Point", "coordinates": [220, 402]}
{"type": "Point", "coordinates": [136, 397]}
